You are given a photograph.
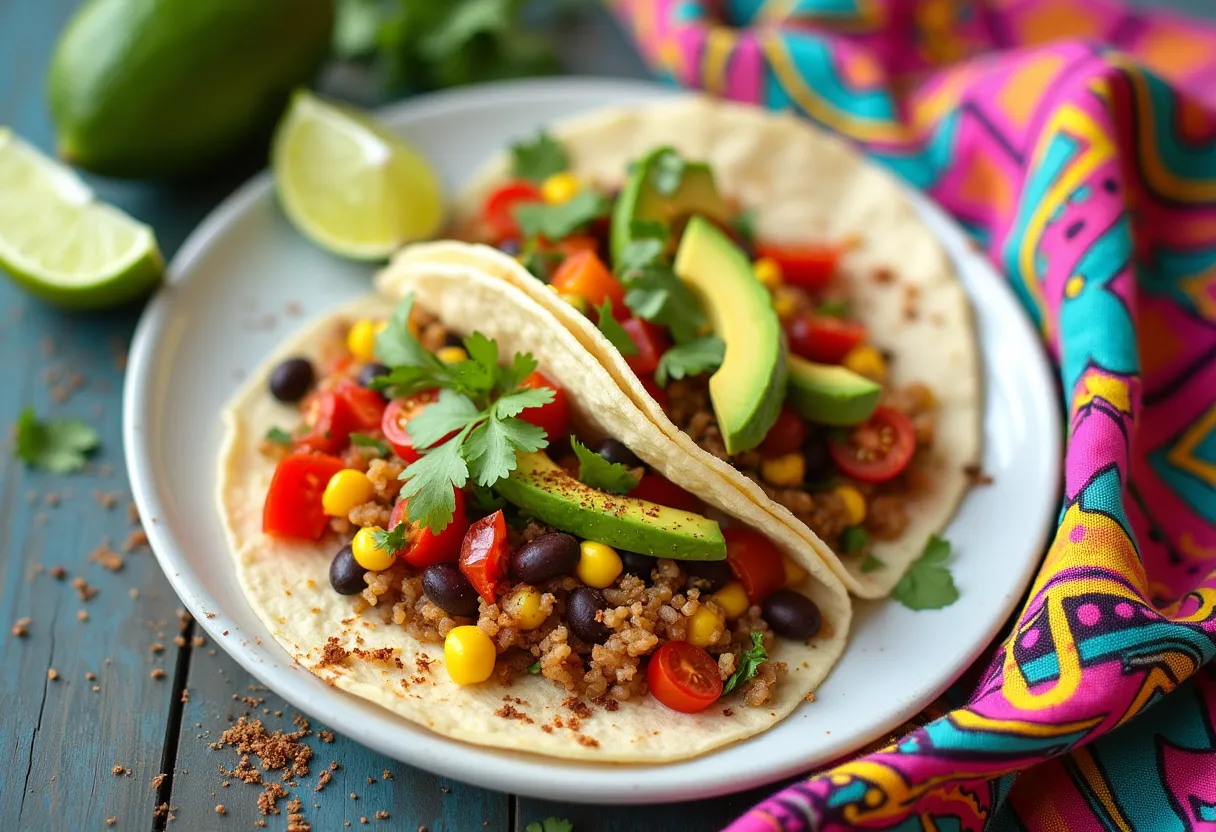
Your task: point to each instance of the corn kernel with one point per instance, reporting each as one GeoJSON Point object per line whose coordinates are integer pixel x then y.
{"type": "Point", "coordinates": [524, 606]}
{"type": "Point", "coordinates": [785, 303]}
{"type": "Point", "coordinates": [367, 553]}
{"type": "Point", "coordinates": [577, 301]}
{"type": "Point", "coordinates": [866, 361]}
{"type": "Point", "coordinates": [732, 598]}
{"type": "Point", "coordinates": [598, 565]}
{"type": "Point", "coordinates": [451, 355]}
{"type": "Point", "coordinates": [768, 272]}
{"type": "Point", "coordinates": [704, 627]}
{"type": "Point", "coordinates": [560, 187]}
{"type": "Point", "coordinates": [469, 655]}
{"type": "Point", "coordinates": [346, 489]}
{"type": "Point", "coordinates": [361, 339]}
{"type": "Point", "coordinates": [854, 503]}
{"type": "Point", "coordinates": [794, 573]}
{"type": "Point", "coordinates": [787, 470]}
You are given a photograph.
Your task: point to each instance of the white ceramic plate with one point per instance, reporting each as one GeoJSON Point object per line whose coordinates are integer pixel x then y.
{"type": "Point", "coordinates": [225, 307]}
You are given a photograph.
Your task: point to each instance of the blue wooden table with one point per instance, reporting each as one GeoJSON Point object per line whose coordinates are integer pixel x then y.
{"type": "Point", "coordinates": [108, 700]}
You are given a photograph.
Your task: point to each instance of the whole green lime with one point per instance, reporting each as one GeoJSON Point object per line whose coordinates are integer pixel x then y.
{"type": "Point", "coordinates": [163, 88]}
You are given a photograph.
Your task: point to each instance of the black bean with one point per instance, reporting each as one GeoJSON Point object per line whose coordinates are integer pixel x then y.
{"type": "Point", "coordinates": [792, 614]}
{"type": "Point", "coordinates": [714, 574]}
{"type": "Point", "coordinates": [582, 606]}
{"type": "Point", "coordinates": [370, 372]}
{"type": "Point", "coordinates": [614, 451]}
{"type": "Point", "coordinates": [291, 380]}
{"type": "Point", "coordinates": [447, 588]}
{"type": "Point", "coordinates": [509, 246]}
{"type": "Point", "coordinates": [640, 565]}
{"type": "Point", "coordinates": [819, 465]}
{"type": "Point", "coordinates": [548, 556]}
{"type": "Point", "coordinates": [345, 573]}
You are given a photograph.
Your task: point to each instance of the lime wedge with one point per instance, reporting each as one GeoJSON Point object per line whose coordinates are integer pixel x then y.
{"type": "Point", "coordinates": [62, 245]}
{"type": "Point", "coordinates": [349, 185]}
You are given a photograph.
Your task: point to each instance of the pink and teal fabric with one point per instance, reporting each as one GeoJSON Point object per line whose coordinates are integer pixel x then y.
{"type": "Point", "coordinates": [1076, 140]}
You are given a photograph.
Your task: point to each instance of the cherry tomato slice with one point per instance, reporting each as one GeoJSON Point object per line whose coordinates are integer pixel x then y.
{"type": "Point", "coordinates": [584, 274]}
{"type": "Point", "coordinates": [576, 243]}
{"type": "Point", "coordinates": [397, 415]}
{"type": "Point", "coordinates": [332, 415]}
{"type": "Point", "coordinates": [293, 501]}
{"type": "Point", "coordinates": [427, 547]}
{"type": "Point", "coordinates": [365, 407]}
{"type": "Point", "coordinates": [807, 267]}
{"type": "Point", "coordinates": [553, 417]}
{"type": "Point", "coordinates": [756, 562]}
{"type": "Point", "coordinates": [876, 450]}
{"type": "Point", "coordinates": [499, 210]}
{"type": "Point", "coordinates": [785, 436]}
{"type": "Point", "coordinates": [483, 554]}
{"type": "Point", "coordinates": [823, 338]}
{"type": "Point", "coordinates": [684, 677]}
{"type": "Point", "coordinates": [654, 488]}
{"type": "Point", "coordinates": [651, 341]}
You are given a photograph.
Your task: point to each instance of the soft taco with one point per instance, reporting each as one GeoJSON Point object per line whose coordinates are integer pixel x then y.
{"type": "Point", "coordinates": [590, 591]}
{"type": "Point", "coordinates": [766, 297]}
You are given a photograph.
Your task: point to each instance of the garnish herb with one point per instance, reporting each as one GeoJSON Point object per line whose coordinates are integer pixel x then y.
{"type": "Point", "coordinates": [539, 262]}
{"type": "Point", "coordinates": [550, 825]}
{"type": "Point", "coordinates": [485, 500]}
{"type": "Point", "coordinates": [539, 219]}
{"type": "Point", "coordinates": [834, 308]}
{"type": "Point", "coordinates": [928, 584]}
{"type": "Point", "coordinates": [613, 331]}
{"type": "Point", "coordinates": [854, 539]}
{"type": "Point", "coordinates": [667, 171]}
{"type": "Point", "coordinates": [599, 473]}
{"type": "Point", "coordinates": [362, 440]}
{"type": "Point", "coordinates": [646, 246]}
{"type": "Point", "coordinates": [657, 295]}
{"type": "Point", "coordinates": [393, 540]}
{"type": "Point", "coordinates": [751, 661]}
{"type": "Point", "coordinates": [693, 358]}
{"type": "Point", "coordinates": [744, 226]}
{"type": "Point", "coordinates": [539, 158]}
{"type": "Point", "coordinates": [534, 668]}
{"type": "Point", "coordinates": [278, 436]}
{"type": "Point", "coordinates": [57, 445]}
{"type": "Point", "coordinates": [871, 564]}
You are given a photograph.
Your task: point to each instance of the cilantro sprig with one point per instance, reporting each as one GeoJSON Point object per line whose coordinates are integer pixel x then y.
{"type": "Point", "coordinates": [690, 359]}
{"type": "Point", "coordinates": [555, 221]}
{"type": "Point", "coordinates": [653, 291]}
{"type": "Point", "coordinates": [550, 825]}
{"type": "Point", "coordinates": [599, 473]}
{"type": "Point", "coordinates": [60, 446]}
{"type": "Point", "coordinates": [751, 661]}
{"type": "Point", "coordinates": [928, 584]}
{"type": "Point", "coordinates": [539, 158]}
{"type": "Point", "coordinates": [613, 331]}
{"type": "Point", "coordinates": [278, 436]}
{"type": "Point", "coordinates": [370, 443]}
{"type": "Point", "coordinates": [393, 540]}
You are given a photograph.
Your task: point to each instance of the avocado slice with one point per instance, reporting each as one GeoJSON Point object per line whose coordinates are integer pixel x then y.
{"type": "Point", "coordinates": [544, 489]}
{"type": "Point", "coordinates": [829, 394]}
{"type": "Point", "coordinates": [749, 387]}
{"type": "Point", "coordinates": [641, 201]}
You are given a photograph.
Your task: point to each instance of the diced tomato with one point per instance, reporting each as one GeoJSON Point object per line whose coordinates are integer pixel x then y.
{"type": "Point", "coordinates": [576, 243]}
{"type": "Point", "coordinates": [333, 415]}
{"type": "Point", "coordinates": [398, 414]}
{"type": "Point", "coordinates": [755, 561]}
{"type": "Point", "coordinates": [293, 501]}
{"type": "Point", "coordinates": [553, 417]}
{"type": "Point", "coordinates": [483, 554]}
{"type": "Point", "coordinates": [499, 210]}
{"type": "Point", "coordinates": [878, 449]}
{"type": "Point", "coordinates": [427, 547]}
{"type": "Point", "coordinates": [823, 338]}
{"type": "Point", "coordinates": [654, 390]}
{"type": "Point", "coordinates": [684, 677]}
{"type": "Point", "coordinates": [366, 406]}
{"type": "Point", "coordinates": [785, 436]}
{"type": "Point", "coordinates": [584, 274]}
{"type": "Point", "coordinates": [807, 267]}
{"type": "Point", "coordinates": [651, 341]}
{"type": "Point", "coordinates": [654, 488]}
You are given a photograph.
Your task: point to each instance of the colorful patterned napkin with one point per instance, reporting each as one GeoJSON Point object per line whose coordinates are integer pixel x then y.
{"type": "Point", "coordinates": [1076, 140]}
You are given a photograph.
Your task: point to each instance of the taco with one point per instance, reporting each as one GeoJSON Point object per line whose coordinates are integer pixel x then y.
{"type": "Point", "coordinates": [590, 591]}
{"type": "Point", "coordinates": [769, 299]}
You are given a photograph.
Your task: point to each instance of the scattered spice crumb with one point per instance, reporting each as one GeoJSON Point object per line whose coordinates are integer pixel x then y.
{"type": "Point", "coordinates": [220, 810]}
{"type": "Point", "coordinates": [976, 474]}
{"type": "Point", "coordinates": [135, 540]}
{"type": "Point", "coordinates": [325, 736]}
{"type": "Point", "coordinates": [157, 673]}
{"type": "Point", "coordinates": [133, 592]}
{"type": "Point", "coordinates": [156, 647]}
{"type": "Point", "coordinates": [387, 775]}
{"type": "Point", "coordinates": [107, 557]}
{"type": "Point", "coordinates": [82, 615]}
{"type": "Point", "coordinates": [86, 592]}
{"type": "Point", "coordinates": [133, 514]}
{"type": "Point", "coordinates": [58, 573]}
{"type": "Point", "coordinates": [381, 815]}
{"type": "Point", "coordinates": [111, 821]}
{"type": "Point", "coordinates": [118, 770]}
{"type": "Point", "coordinates": [354, 796]}
{"type": "Point", "coordinates": [91, 676]}
{"type": "Point", "coordinates": [21, 627]}
{"type": "Point", "coordinates": [157, 780]}
{"type": "Point", "coordinates": [52, 674]}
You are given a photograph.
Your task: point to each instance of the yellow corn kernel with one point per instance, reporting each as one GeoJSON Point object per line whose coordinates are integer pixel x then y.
{"type": "Point", "coordinates": [469, 655]}
{"type": "Point", "coordinates": [866, 361]}
{"type": "Point", "coordinates": [598, 565]}
{"type": "Point", "coordinates": [768, 272]}
{"type": "Point", "coordinates": [794, 573]}
{"type": "Point", "coordinates": [704, 627]}
{"type": "Point", "coordinates": [560, 187]}
{"type": "Point", "coordinates": [785, 303]}
{"type": "Point", "coordinates": [732, 598]}
{"type": "Point", "coordinates": [346, 489]}
{"type": "Point", "coordinates": [450, 355]}
{"type": "Point", "coordinates": [577, 301]}
{"type": "Point", "coordinates": [854, 503]}
{"type": "Point", "coordinates": [524, 606]}
{"type": "Point", "coordinates": [787, 470]}
{"type": "Point", "coordinates": [367, 554]}
{"type": "Point", "coordinates": [361, 339]}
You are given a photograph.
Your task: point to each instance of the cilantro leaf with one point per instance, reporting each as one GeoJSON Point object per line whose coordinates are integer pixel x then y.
{"type": "Point", "coordinates": [657, 295]}
{"type": "Point", "coordinates": [510, 377]}
{"type": "Point", "coordinates": [928, 584]}
{"type": "Point", "coordinates": [484, 499]}
{"type": "Point", "coordinates": [393, 540]}
{"type": "Point", "coordinates": [539, 158]}
{"type": "Point", "coordinates": [690, 359]}
{"type": "Point", "coordinates": [834, 308]}
{"type": "Point", "coordinates": [539, 219]}
{"type": "Point", "coordinates": [279, 436]}
{"type": "Point", "coordinates": [613, 331]}
{"type": "Point", "coordinates": [521, 400]}
{"type": "Point", "coordinates": [362, 440]}
{"type": "Point", "coordinates": [534, 668]}
{"type": "Point", "coordinates": [550, 824]}
{"type": "Point", "coordinates": [493, 444]}
{"type": "Point", "coordinates": [744, 225]}
{"type": "Point", "coordinates": [853, 539]}
{"type": "Point", "coordinates": [871, 564]}
{"type": "Point", "coordinates": [667, 171]}
{"type": "Point", "coordinates": [539, 262]}
{"type": "Point", "coordinates": [648, 241]}
{"type": "Point", "coordinates": [599, 473]}
{"type": "Point", "coordinates": [751, 661]}
{"type": "Point", "coordinates": [452, 411]}
{"type": "Point", "coordinates": [429, 482]}
{"type": "Point", "coordinates": [58, 445]}
{"type": "Point", "coordinates": [397, 346]}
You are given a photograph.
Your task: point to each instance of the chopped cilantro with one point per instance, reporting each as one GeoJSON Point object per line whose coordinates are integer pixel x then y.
{"type": "Point", "coordinates": [744, 225]}
{"type": "Point", "coordinates": [871, 564]}
{"type": "Point", "coordinates": [550, 825]}
{"type": "Point", "coordinates": [690, 359]}
{"type": "Point", "coordinates": [749, 664]}
{"type": "Point", "coordinates": [484, 499]}
{"type": "Point", "coordinates": [667, 171]}
{"type": "Point", "coordinates": [278, 436]}
{"type": "Point", "coordinates": [657, 295]}
{"type": "Point", "coordinates": [928, 585]}
{"type": "Point", "coordinates": [534, 668]}
{"type": "Point", "coordinates": [554, 222]}
{"type": "Point", "coordinates": [58, 445]}
{"type": "Point", "coordinates": [393, 540]}
{"type": "Point", "coordinates": [539, 262]}
{"type": "Point", "coordinates": [396, 346]}
{"type": "Point", "coordinates": [613, 331]}
{"type": "Point", "coordinates": [599, 473]}
{"type": "Point", "coordinates": [648, 241]}
{"type": "Point", "coordinates": [539, 158]}
{"type": "Point", "coordinates": [853, 539]}
{"type": "Point", "coordinates": [362, 440]}
{"type": "Point", "coordinates": [834, 308]}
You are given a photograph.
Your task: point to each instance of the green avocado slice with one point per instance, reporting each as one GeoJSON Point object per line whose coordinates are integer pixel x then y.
{"type": "Point", "coordinates": [544, 489]}
{"type": "Point", "coordinates": [748, 389]}
{"type": "Point", "coordinates": [831, 395]}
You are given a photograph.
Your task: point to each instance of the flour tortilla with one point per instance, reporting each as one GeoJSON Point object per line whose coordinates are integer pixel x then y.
{"type": "Point", "coordinates": [806, 186]}
{"type": "Point", "coordinates": [287, 583]}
